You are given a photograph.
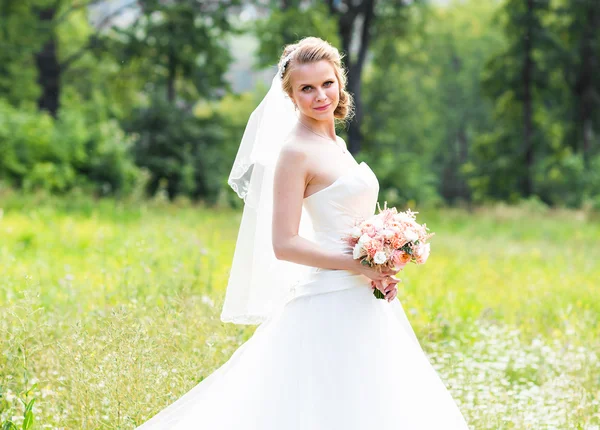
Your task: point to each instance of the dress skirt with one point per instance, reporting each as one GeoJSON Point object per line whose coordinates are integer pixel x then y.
{"type": "Point", "coordinates": [333, 358]}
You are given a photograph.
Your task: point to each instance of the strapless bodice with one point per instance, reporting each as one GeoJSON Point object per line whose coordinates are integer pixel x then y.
{"type": "Point", "coordinates": [335, 209]}
{"type": "Point", "coordinates": [333, 212]}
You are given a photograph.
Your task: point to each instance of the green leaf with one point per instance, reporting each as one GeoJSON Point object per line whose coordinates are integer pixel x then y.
{"type": "Point", "coordinates": [29, 405]}
{"type": "Point", "coordinates": [378, 294]}
{"type": "Point", "coordinates": [28, 421]}
{"type": "Point", "coordinates": [33, 387]}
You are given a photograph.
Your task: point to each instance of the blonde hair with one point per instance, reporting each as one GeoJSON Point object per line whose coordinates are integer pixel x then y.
{"type": "Point", "coordinates": [310, 50]}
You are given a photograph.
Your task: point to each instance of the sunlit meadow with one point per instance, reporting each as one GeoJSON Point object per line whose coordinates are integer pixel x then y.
{"type": "Point", "coordinates": [110, 311]}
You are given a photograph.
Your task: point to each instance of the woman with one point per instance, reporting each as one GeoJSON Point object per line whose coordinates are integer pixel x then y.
{"type": "Point", "coordinates": [327, 355]}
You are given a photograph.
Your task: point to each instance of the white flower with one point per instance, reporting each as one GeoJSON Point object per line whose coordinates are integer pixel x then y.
{"type": "Point", "coordinates": [207, 300]}
{"type": "Point", "coordinates": [380, 257]}
{"type": "Point", "coordinates": [403, 217]}
{"type": "Point", "coordinates": [355, 232]}
{"type": "Point", "coordinates": [357, 252]}
{"type": "Point", "coordinates": [364, 238]}
{"type": "Point", "coordinates": [422, 252]}
{"type": "Point", "coordinates": [378, 224]}
{"type": "Point", "coordinates": [387, 233]}
{"type": "Point", "coordinates": [410, 235]}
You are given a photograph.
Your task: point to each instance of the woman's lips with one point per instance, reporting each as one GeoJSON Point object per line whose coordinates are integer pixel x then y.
{"type": "Point", "coordinates": [323, 107]}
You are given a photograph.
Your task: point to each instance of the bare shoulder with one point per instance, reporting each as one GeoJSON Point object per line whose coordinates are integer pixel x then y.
{"type": "Point", "coordinates": [294, 157]}
{"type": "Point", "coordinates": [292, 152]}
{"type": "Point", "coordinates": [343, 142]}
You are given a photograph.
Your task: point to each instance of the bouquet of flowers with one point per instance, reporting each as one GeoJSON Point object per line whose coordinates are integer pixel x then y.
{"type": "Point", "coordinates": [388, 239]}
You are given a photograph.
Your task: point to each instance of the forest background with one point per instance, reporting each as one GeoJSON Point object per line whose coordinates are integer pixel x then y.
{"type": "Point", "coordinates": [457, 102]}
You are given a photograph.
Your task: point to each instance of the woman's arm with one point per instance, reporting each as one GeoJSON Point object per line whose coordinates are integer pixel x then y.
{"type": "Point", "coordinates": [291, 177]}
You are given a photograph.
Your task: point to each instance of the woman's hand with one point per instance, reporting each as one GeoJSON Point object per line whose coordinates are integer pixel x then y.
{"type": "Point", "coordinates": [374, 274]}
{"type": "Point", "coordinates": [387, 287]}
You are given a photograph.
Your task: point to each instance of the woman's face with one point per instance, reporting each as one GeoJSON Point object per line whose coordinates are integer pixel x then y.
{"type": "Point", "coordinates": [315, 89]}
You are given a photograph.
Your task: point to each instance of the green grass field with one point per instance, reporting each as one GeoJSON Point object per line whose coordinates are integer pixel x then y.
{"type": "Point", "coordinates": [110, 311]}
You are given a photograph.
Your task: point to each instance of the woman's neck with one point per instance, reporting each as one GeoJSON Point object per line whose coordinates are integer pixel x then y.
{"type": "Point", "coordinates": [323, 128]}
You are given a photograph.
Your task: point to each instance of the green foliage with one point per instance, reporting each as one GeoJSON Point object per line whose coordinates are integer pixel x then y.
{"type": "Point", "coordinates": [290, 24]}
{"type": "Point", "coordinates": [231, 113]}
{"type": "Point", "coordinates": [19, 38]}
{"type": "Point", "coordinates": [553, 159]}
{"type": "Point", "coordinates": [576, 82]}
{"type": "Point", "coordinates": [423, 104]}
{"type": "Point", "coordinates": [443, 94]}
{"type": "Point", "coordinates": [182, 44]}
{"type": "Point", "coordinates": [181, 152]}
{"type": "Point", "coordinates": [566, 180]}
{"type": "Point", "coordinates": [38, 152]}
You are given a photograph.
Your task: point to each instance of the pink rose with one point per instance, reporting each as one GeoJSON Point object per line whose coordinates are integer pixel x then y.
{"type": "Point", "coordinates": [373, 247]}
{"type": "Point", "coordinates": [400, 258]}
{"type": "Point", "coordinates": [371, 230]}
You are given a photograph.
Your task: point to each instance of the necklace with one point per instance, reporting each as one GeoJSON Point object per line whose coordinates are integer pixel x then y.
{"type": "Point", "coordinates": [320, 135]}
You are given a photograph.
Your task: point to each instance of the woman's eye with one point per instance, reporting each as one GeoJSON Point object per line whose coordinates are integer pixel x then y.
{"type": "Point", "coordinates": [328, 83]}
{"type": "Point", "coordinates": [306, 88]}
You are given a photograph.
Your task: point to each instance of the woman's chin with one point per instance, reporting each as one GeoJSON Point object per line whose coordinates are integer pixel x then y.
{"type": "Point", "coordinates": [327, 115]}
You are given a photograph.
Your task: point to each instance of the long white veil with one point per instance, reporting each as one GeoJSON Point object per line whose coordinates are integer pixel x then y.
{"type": "Point", "coordinates": [259, 283]}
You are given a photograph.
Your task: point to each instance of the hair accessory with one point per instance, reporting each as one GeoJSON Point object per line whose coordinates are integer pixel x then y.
{"type": "Point", "coordinates": [284, 63]}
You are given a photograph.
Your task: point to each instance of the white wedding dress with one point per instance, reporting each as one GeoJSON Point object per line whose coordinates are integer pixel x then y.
{"type": "Point", "coordinates": [333, 358]}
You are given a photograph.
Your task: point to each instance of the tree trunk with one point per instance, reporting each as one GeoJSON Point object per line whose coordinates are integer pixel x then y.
{"type": "Point", "coordinates": [346, 23]}
{"type": "Point", "coordinates": [172, 68]}
{"type": "Point", "coordinates": [584, 87]}
{"type": "Point", "coordinates": [527, 72]}
{"type": "Point", "coordinates": [49, 70]}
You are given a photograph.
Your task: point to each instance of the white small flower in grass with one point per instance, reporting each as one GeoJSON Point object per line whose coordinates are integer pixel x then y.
{"type": "Point", "coordinates": [379, 257]}
{"type": "Point", "coordinates": [207, 301]}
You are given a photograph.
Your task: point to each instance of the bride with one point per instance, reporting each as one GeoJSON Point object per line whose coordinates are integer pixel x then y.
{"type": "Point", "coordinates": [327, 354]}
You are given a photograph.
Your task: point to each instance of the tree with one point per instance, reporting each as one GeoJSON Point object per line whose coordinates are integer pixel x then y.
{"type": "Point", "coordinates": [30, 36]}
{"type": "Point", "coordinates": [517, 79]}
{"type": "Point", "coordinates": [182, 47]}
{"type": "Point", "coordinates": [183, 43]}
{"type": "Point", "coordinates": [577, 24]}
{"type": "Point", "coordinates": [424, 104]}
